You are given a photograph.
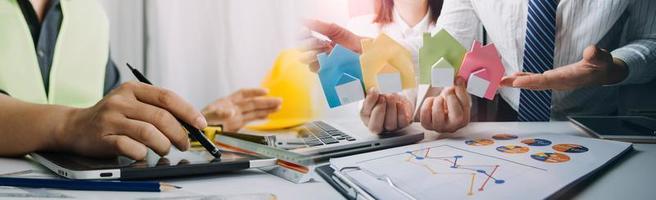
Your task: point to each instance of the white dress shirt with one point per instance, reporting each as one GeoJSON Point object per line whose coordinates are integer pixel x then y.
{"type": "Point", "coordinates": [398, 29]}
{"type": "Point", "coordinates": [627, 28]}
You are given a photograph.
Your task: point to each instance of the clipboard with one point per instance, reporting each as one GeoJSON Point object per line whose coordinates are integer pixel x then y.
{"type": "Point", "coordinates": [355, 177]}
{"type": "Point", "coordinates": [345, 187]}
{"type": "Point", "coordinates": [328, 174]}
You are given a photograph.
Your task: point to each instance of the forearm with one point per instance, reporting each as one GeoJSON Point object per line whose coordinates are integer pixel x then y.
{"type": "Point", "coordinates": [26, 127]}
{"type": "Point", "coordinates": [618, 72]}
{"type": "Point", "coordinates": [638, 58]}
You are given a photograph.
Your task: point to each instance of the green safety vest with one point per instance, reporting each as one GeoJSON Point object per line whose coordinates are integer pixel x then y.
{"type": "Point", "coordinates": [77, 74]}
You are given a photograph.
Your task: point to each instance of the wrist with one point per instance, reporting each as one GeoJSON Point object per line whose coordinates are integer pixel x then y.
{"type": "Point", "coordinates": [617, 72]}
{"type": "Point", "coordinates": [65, 126]}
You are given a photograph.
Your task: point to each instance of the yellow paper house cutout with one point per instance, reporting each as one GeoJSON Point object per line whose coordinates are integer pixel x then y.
{"type": "Point", "coordinates": [384, 51]}
{"type": "Point", "coordinates": [388, 69]}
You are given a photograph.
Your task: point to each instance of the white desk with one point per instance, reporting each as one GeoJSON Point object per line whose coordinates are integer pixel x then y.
{"type": "Point", "coordinates": [631, 178]}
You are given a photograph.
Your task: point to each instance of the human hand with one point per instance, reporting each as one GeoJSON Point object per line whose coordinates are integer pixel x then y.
{"type": "Point", "coordinates": [597, 67]}
{"type": "Point", "coordinates": [128, 121]}
{"type": "Point", "coordinates": [448, 111]}
{"type": "Point", "coordinates": [241, 107]}
{"type": "Point", "coordinates": [385, 112]}
{"type": "Point", "coordinates": [337, 35]}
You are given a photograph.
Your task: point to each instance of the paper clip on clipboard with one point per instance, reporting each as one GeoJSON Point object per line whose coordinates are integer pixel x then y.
{"type": "Point", "coordinates": [340, 180]}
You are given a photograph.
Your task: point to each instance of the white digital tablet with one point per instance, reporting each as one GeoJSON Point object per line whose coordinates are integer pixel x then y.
{"type": "Point", "coordinates": [177, 163]}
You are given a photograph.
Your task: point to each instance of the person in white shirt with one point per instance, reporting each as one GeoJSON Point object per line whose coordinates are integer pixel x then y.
{"type": "Point", "coordinates": [402, 20]}
{"type": "Point", "coordinates": [561, 57]}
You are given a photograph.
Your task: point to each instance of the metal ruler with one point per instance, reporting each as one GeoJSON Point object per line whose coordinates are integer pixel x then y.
{"type": "Point", "coordinates": [291, 166]}
{"type": "Point", "coordinates": [265, 150]}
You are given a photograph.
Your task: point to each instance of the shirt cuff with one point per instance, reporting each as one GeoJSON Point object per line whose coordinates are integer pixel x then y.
{"type": "Point", "coordinates": [635, 64]}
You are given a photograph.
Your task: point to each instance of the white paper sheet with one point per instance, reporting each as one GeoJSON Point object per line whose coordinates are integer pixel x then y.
{"type": "Point", "coordinates": [452, 169]}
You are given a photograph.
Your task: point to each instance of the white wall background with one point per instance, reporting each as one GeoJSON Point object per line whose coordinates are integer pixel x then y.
{"type": "Point", "coordinates": [205, 49]}
{"type": "Point", "coordinates": [126, 31]}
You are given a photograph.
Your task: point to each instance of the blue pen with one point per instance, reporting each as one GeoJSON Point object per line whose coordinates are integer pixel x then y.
{"type": "Point", "coordinates": [137, 186]}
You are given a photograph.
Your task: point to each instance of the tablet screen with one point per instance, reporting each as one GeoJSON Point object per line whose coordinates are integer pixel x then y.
{"type": "Point", "coordinates": [619, 126]}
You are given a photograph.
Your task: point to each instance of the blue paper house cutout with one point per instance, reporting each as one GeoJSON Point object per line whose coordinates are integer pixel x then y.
{"type": "Point", "coordinates": [341, 76]}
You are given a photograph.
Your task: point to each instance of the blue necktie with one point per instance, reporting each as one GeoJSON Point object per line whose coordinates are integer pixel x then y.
{"type": "Point", "coordinates": [538, 58]}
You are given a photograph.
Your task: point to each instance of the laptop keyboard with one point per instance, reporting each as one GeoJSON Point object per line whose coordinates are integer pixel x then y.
{"type": "Point", "coordinates": [320, 133]}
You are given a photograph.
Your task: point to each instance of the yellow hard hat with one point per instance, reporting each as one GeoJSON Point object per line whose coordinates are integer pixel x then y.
{"type": "Point", "coordinates": [292, 81]}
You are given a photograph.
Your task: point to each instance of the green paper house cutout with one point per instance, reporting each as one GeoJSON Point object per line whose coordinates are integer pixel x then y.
{"type": "Point", "coordinates": [441, 45]}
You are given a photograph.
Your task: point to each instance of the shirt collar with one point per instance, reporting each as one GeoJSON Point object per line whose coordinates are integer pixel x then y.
{"type": "Point", "coordinates": [421, 26]}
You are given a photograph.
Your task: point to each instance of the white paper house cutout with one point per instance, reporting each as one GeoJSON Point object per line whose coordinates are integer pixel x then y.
{"type": "Point", "coordinates": [389, 80]}
{"type": "Point", "coordinates": [349, 89]}
{"type": "Point", "coordinates": [442, 73]}
{"type": "Point", "coordinates": [477, 85]}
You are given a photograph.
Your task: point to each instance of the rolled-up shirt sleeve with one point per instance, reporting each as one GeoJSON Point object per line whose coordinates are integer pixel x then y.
{"type": "Point", "coordinates": [639, 53]}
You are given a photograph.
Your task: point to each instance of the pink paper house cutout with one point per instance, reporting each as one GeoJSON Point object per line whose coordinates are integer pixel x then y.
{"type": "Point", "coordinates": [486, 61]}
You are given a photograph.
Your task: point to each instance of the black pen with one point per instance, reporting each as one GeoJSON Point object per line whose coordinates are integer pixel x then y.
{"type": "Point", "coordinates": [193, 132]}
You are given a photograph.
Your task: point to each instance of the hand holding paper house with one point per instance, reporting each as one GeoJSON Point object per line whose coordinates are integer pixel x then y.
{"type": "Point", "coordinates": [483, 69]}
{"type": "Point", "coordinates": [340, 76]}
{"type": "Point", "coordinates": [384, 63]}
{"type": "Point", "coordinates": [438, 53]}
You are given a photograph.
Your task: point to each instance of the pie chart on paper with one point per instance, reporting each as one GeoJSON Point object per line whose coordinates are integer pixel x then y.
{"type": "Point", "coordinates": [570, 148]}
{"type": "Point", "coordinates": [479, 142]}
{"type": "Point", "coordinates": [550, 157]}
{"type": "Point", "coordinates": [512, 149]}
{"type": "Point", "coordinates": [504, 136]}
{"type": "Point", "coordinates": [536, 142]}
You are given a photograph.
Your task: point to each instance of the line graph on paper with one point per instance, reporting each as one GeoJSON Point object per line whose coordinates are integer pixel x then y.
{"type": "Point", "coordinates": [442, 171]}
